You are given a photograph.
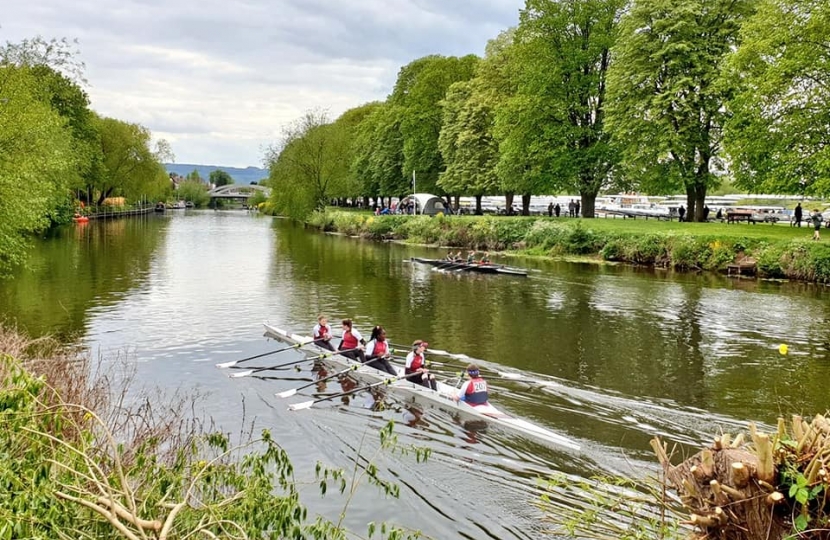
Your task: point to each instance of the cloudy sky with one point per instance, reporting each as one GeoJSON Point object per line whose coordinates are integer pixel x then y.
{"type": "Point", "coordinates": [219, 79]}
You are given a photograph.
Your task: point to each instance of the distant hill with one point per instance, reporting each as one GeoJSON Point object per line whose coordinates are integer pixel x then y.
{"type": "Point", "coordinates": [240, 176]}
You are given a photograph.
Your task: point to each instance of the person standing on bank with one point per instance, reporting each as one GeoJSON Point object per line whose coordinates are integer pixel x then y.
{"type": "Point", "coordinates": [474, 390]}
{"type": "Point", "coordinates": [377, 352]}
{"type": "Point", "coordinates": [352, 343]}
{"type": "Point", "coordinates": [816, 218]}
{"type": "Point", "coordinates": [799, 214]}
{"type": "Point", "coordinates": [681, 212]}
{"type": "Point", "coordinates": [322, 333]}
{"type": "Point", "coordinates": [416, 366]}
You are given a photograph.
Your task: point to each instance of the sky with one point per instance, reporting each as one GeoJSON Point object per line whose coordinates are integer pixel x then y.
{"type": "Point", "coordinates": [220, 80]}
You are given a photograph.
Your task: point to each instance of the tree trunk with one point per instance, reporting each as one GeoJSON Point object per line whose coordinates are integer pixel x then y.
{"type": "Point", "coordinates": [478, 205]}
{"type": "Point", "coordinates": [700, 201]}
{"type": "Point", "coordinates": [366, 202]}
{"type": "Point", "coordinates": [526, 204]}
{"type": "Point", "coordinates": [589, 204]}
{"type": "Point", "coordinates": [508, 201]}
{"type": "Point", "coordinates": [690, 203]}
{"type": "Point", "coordinates": [457, 204]}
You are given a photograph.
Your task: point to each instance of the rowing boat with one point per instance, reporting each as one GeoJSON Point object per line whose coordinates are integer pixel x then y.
{"type": "Point", "coordinates": [408, 392]}
{"type": "Point", "coordinates": [481, 268]}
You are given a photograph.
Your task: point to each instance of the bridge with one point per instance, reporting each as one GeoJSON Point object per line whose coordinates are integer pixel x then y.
{"type": "Point", "coordinates": [238, 191]}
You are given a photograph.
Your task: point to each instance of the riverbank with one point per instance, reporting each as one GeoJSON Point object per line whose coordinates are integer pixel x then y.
{"type": "Point", "coordinates": [768, 251]}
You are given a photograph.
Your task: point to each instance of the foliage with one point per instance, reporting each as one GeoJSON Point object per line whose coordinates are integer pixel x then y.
{"type": "Point", "coordinates": [36, 158]}
{"type": "Point", "coordinates": [307, 164]}
{"type": "Point", "coordinates": [667, 99]}
{"type": "Point", "coordinates": [129, 168]}
{"type": "Point", "coordinates": [84, 467]}
{"type": "Point", "coordinates": [777, 136]}
{"type": "Point", "coordinates": [605, 508]}
{"type": "Point", "coordinates": [553, 129]}
{"type": "Point", "coordinates": [419, 91]}
{"type": "Point", "coordinates": [220, 178]}
{"type": "Point", "coordinates": [193, 191]}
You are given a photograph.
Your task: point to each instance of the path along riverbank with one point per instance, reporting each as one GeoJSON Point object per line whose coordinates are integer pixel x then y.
{"type": "Point", "coordinates": [767, 251]}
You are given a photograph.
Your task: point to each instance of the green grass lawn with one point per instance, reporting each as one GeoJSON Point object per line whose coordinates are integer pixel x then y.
{"type": "Point", "coordinates": [735, 230]}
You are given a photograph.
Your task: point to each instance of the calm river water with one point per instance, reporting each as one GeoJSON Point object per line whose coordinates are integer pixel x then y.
{"type": "Point", "coordinates": [623, 353]}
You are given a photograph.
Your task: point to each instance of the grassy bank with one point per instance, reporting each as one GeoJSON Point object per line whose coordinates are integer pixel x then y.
{"type": "Point", "coordinates": [773, 251]}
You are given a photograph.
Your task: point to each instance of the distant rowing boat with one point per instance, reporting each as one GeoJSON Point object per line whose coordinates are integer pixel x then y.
{"type": "Point", "coordinates": [481, 268]}
{"type": "Point", "coordinates": [424, 398]}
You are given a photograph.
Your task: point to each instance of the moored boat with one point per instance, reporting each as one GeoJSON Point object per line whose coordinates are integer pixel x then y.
{"type": "Point", "coordinates": [424, 398]}
{"type": "Point", "coordinates": [480, 268]}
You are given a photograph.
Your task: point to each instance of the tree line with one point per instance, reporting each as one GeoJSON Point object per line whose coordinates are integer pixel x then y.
{"type": "Point", "coordinates": [56, 152]}
{"type": "Point", "coordinates": [583, 96]}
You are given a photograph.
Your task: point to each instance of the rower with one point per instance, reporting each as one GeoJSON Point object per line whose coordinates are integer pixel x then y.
{"type": "Point", "coordinates": [485, 259]}
{"type": "Point", "coordinates": [450, 256]}
{"type": "Point", "coordinates": [416, 366]}
{"type": "Point", "coordinates": [471, 257]}
{"type": "Point", "coordinates": [377, 352]}
{"type": "Point", "coordinates": [322, 333]}
{"type": "Point", "coordinates": [352, 342]}
{"type": "Point", "coordinates": [457, 256]}
{"type": "Point", "coordinates": [473, 391]}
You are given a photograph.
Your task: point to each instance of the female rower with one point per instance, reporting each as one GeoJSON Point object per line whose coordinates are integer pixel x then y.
{"type": "Point", "coordinates": [351, 346]}
{"type": "Point", "coordinates": [416, 366]}
{"type": "Point", "coordinates": [473, 391]}
{"type": "Point", "coordinates": [377, 351]}
{"type": "Point", "coordinates": [485, 259]}
{"type": "Point", "coordinates": [322, 333]}
{"type": "Point", "coordinates": [471, 257]}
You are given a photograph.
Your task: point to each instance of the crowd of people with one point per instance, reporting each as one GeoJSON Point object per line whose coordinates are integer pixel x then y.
{"type": "Point", "coordinates": [377, 353]}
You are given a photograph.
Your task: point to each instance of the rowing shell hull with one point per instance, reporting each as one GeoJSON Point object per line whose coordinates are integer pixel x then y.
{"type": "Point", "coordinates": [410, 393]}
{"type": "Point", "coordinates": [443, 264]}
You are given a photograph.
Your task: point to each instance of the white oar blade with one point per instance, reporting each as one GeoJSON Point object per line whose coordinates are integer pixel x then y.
{"type": "Point", "coordinates": [226, 365]}
{"type": "Point", "coordinates": [241, 374]}
{"type": "Point", "coordinates": [439, 352]}
{"type": "Point", "coordinates": [287, 393]}
{"type": "Point", "coordinates": [506, 375]}
{"type": "Point", "coordinates": [460, 356]}
{"type": "Point", "coordinates": [300, 406]}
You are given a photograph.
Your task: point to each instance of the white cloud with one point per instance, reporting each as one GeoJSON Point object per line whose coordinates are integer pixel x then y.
{"type": "Point", "coordinates": [220, 79]}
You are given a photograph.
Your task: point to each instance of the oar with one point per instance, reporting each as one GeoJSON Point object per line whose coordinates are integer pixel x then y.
{"type": "Point", "coordinates": [257, 370]}
{"type": "Point", "coordinates": [309, 404]}
{"type": "Point", "coordinates": [226, 365]}
{"type": "Point", "coordinates": [291, 392]}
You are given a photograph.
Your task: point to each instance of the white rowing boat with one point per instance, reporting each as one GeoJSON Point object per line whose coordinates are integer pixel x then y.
{"type": "Point", "coordinates": [424, 398]}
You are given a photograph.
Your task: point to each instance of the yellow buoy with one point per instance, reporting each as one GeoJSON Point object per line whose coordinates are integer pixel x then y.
{"type": "Point", "coordinates": [783, 349]}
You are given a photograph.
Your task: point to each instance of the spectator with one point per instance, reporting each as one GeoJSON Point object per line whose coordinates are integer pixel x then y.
{"type": "Point", "coordinates": [816, 218]}
{"type": "Point", "coordinates": [577, 206]}
{"type": "Point", "coordinates": [705, 213]}
{"type": "Point", "coordinates": [557, 209]}
{"type": "Point", "coordinates": [681, 212]}
{"type": "Point", "coordinates": [550, 210]}
{"type": "Point", "coordinates": [571, 208]}
{"type": "Point", "coordinates": [798, 214]}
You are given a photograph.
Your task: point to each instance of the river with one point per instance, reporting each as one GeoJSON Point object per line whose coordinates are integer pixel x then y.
{"type": "Point", "coordinates": [619, 354]}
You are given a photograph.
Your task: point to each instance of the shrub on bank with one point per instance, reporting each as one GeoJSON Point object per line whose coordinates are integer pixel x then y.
{"type": "Point", "coordinates": [783, 258]}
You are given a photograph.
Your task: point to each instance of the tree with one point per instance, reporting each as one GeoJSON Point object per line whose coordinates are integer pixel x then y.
{"type": "Point", "coordinates": [552, 132]}
{"type": "Point", "coordinates": [378, 157]}
{"type": "Point", "coordinates": [220, 178]}
{"type": "Point", "coordinates": [419, 90]}
{"type": "Point", "coordinates": [468, 148]}
{"type": "Point", "coordinates": [129, 167]}
{"type": "Point", "coordinates": [347, 182]}
{"type": "Point", "coordinates": [304, 166]}
{"type": "Point", "coordinates": [36, 157]}
{"type": "Point", "coordinates": [777, 138]}
{"type": "Point", "coordinates": [194, 176]}
{"type": "Point", "coordinates": [668, 100]}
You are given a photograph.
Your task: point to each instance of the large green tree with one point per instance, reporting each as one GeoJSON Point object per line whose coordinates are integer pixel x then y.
{"type": "Point", "coordinates": [348, 182]}
{"type": "Point", "coordinates": [378, 155]}
{"type": "Point", "coordinates": [552, 132]}
{"type": "Point", "coordinates": [668, 100]}
{"type": "Point", "coordinates": [36, 158]}
{"type": "Point", "coordinates": [419, 91]}
{"type": "Point", "coordinates": [306, 165]}
{"type": "Point", "coordinates": [130, 168]}
{"type": "Point", "coordinates": [778, 138]}
{"type": "Point", "coordinates": [467, 141]}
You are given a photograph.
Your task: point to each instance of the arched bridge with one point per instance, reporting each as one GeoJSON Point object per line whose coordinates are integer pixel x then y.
{"type": "Point", "coordinates": [238, 191]}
